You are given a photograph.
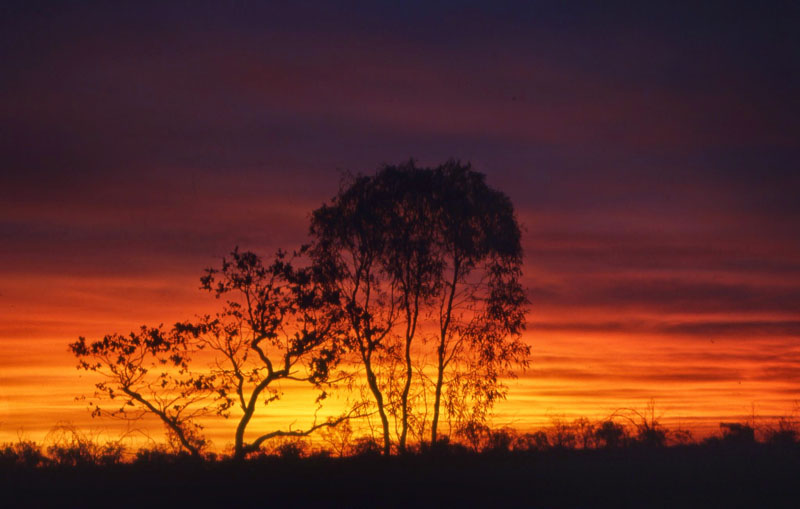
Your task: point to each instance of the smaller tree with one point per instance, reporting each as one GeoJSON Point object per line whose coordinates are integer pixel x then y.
{"type": "Point", "coordinates": [277, 324]}
{"type": "Point", "coordinates": [562, 434]}
{"type": "Point", "coordinates": [584, 431]}
{"type": "Point", "coordinates": [648, 430]}
{"type": "Point", "coordinates": [610, 434]}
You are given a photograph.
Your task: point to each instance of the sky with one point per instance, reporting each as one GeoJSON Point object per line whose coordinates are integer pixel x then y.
{"type": "Point", "coordinates": [651, 152]}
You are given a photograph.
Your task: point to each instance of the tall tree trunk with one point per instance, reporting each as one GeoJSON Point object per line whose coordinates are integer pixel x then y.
{"type": "Point", "coordinates": [372, 381]}
{"type": "Point", "coordinates": [442, 351]}
{"type": "Point", "coordinates": [404, 397]}
{"type": "Point", "coordinates": [411, 327]}
{"type": "Point", "coordinates": [438, 398]}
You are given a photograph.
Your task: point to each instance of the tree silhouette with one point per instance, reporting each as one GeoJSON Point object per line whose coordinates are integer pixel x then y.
{"type": "Point", "coordinates": [411, 249]}
{"type": "Point", "coordinates": [410, 261]}
{"type": "Point", "coordinates": [277, 323]}
{"type": "Point", "coordinates": [481, 302]}
{"type": "Point", "coordinates": [411, 277]}
{"type": "Point", "coordinates": [610, 434]}
{"type": "Point", "coordinates": [350, 244]}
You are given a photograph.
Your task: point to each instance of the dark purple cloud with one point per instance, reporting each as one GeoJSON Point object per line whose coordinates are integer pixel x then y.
{"type": "Point", "coordinates": [650, 150]}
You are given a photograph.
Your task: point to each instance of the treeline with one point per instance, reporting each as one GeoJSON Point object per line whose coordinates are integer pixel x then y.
{"type": "Point", "coordinates": [72, 448]}
{"type": "Point", "coordinates": [610, 434]}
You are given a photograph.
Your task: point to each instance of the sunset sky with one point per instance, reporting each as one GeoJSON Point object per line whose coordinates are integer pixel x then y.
{"type": "Point", "coordinates": [652, 155]}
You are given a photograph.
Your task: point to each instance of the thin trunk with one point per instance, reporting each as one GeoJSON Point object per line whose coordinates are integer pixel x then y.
{"type": "Point", "coordinates": [411, 326]}
{"type": "Point", "coordinates": [445, 326]}
{"type": "Point", "coordinates": [372, 381]}
{"type": "Point", "coordinates": [404, 398]}
{"type": "Point", "coordinates": [438, 399]}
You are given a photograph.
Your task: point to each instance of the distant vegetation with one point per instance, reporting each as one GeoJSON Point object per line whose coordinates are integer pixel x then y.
{"type": "Point", "coordinates": [67, 446]}
{"type": "Point", "coordinates": [610, 463]}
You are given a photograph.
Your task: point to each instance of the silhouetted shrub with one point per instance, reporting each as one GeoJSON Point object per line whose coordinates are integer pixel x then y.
{"type": "Point", "coordinates": [647, 430]}
{"type": "Point", "coordinates": [610, 434]}
{"type": "Point", "coordinates": [339, 438]}
{"type": "Point", "coordinates": [500, 440]}
{"type": "Point", "coordinates": [444, 447]}
{"type": "Point", "coordinates": [737, 433]}
{"type": "Point", "coordinates": [72, 447]}
{"type": "Point", "coordinates": [474, 435]}
{"type": "Point", "coordinates": [536, 441]}
{"type": "Point", "coordinates": [292, 449]}
{"type": "Point", "coordinates": [24, 454]}
{"type": "Point", "coordinates": [681, 436]}
{"type": "Point", "coordinates": [584, 432]}
{"type": "Point", "coordinates": [159, 455]}
{"type": "Point", "coordinates": [71, 455]}
{"type": "Point", "coordinates": [785, 434]}
{"type": "Point", "coordinates": [320, 453]}
{"type": "Point", "coordinates": [651, 436]}
{"type": "Point", "coordinates": [366, 446]}
{"type": "Point", "coordinates": [562, 435]}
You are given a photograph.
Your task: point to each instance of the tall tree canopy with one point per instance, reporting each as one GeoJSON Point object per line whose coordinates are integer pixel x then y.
{"type": "Point", "coordinates": [426, 259]}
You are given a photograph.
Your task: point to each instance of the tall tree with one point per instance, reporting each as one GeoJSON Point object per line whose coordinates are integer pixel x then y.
{"type": "Point", "coordinates": [410, 260]}
{"type": "Point", "coordinates": [349, 243]}
{"type": "Point", "coordinates": [405, 264]}
{"type": "Point", "coordinates": [412, 245]}
{"type": "Point", "coordinates": [481, 303]}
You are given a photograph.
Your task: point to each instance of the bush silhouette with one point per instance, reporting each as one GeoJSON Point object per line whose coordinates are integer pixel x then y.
{"type": "Point", "coordinates": [73, 448]}
{"type": "Point", "coordinates": [292, 449]}
{"type": "Point", "coordinates": [24, 454]}
{"type": "Point", "coordinates": [610, 434]}
{"type": "Point", "coordinates": [536, 441]}
{"type": "Point", "coordinates": [737, 433]}
{"type": "Point", "coordinates": [159, 456]}
{"type": "Point", "coordinates": [500, 440]}
{"type": "Point", "coordinates": [366, 446]}
{"type": "Point", "coordinates": [562, 434]}
{"type": "Point", "coordinates": [785, 434]}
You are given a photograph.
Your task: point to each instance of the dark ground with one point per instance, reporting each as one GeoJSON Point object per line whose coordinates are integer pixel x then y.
{"type": "Point", "coordinates": [690, 476]}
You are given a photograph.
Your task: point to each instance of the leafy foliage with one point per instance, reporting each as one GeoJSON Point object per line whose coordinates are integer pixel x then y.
{"type": "Point", "coordinates": [277, 323]}
{"type": "Point", "coordinates": [411, 285]}
{"type": "Point", "coordinates": [420, 258]}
